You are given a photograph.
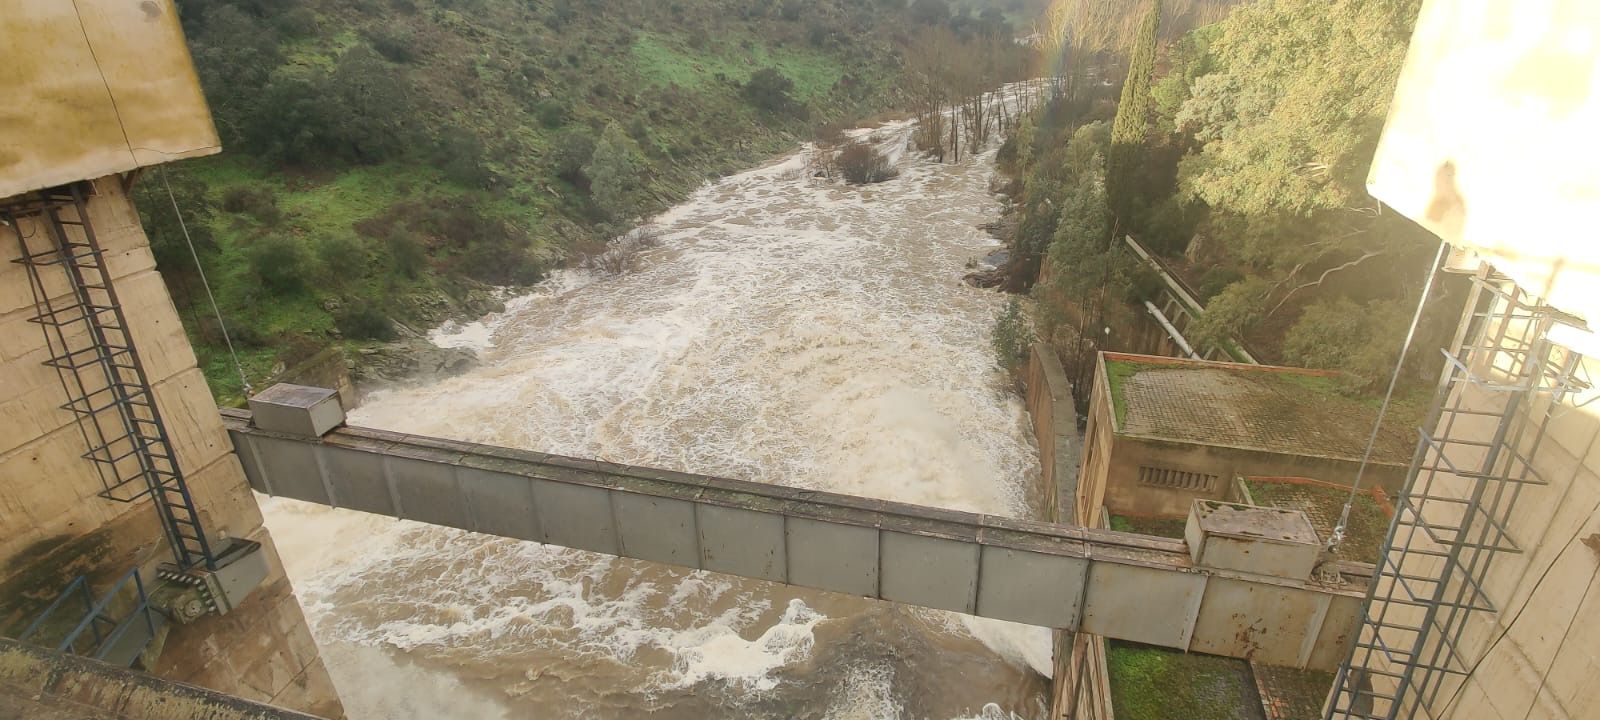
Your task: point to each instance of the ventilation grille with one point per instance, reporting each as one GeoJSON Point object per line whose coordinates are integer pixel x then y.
{"type": "Point", "coordinates": [1176, 479]}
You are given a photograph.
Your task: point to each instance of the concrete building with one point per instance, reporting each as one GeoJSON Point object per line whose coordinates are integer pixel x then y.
{"type": "Point", "coordinates": [1163, 431]}
{"type": "Point", "coordinates": [113, 459]}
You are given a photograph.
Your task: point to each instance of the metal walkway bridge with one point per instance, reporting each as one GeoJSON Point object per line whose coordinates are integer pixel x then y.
{"type": "Point", "coordinates": [1119, 585]}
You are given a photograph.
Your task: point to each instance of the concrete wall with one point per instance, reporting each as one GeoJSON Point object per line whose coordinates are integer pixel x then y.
{"type": "Point", "coordinates": [1099, 442]}
{"type": "Point", "coordinates": [1081, 688]}
{"type": "Point", "coordinates": [41, 685]}
{"type": "Point", "coordinates": [95, 87]}
{"type": "Point", "coordinates": [1126, 495]}
{"type": "Point", "coordinates": [1109, 472]}
{"type": "Point", "coordinates": [1055, 429]}
{"type": "Point", "coordinates": [1536, 654]}
{"type": "Point", "coordinates": [54, 527]}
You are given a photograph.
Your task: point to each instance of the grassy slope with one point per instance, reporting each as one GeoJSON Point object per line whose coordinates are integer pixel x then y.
{"type": "Point", "coordinates": [1151, 683]}
{"type": "Point", "coordinates": [489, 66]}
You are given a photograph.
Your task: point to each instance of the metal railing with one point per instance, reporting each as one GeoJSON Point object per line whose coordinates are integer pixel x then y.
{"type": "Point", "coordinates": [107, 633]}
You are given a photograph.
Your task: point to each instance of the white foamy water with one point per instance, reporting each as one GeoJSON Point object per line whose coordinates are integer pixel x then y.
{"type": "Point", "coordinates": [785, 331]}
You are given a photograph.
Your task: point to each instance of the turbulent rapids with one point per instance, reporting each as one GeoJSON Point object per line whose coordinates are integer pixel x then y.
{"type": "Point", "coordinates": [786, 330]}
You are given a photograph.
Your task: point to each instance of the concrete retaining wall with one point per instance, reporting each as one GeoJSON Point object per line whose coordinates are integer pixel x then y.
{"type": "Point", "coordinates": [1055, 428]}
{"type": "Point", "coordinates": [1082, 684]}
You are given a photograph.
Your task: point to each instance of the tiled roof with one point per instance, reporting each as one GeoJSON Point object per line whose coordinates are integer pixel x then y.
{"type": "Point", "coordinates": [1256, 407]}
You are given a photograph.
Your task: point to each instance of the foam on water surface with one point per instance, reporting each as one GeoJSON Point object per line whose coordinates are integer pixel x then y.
{"type": "Point", "coordinates": [785, 331]}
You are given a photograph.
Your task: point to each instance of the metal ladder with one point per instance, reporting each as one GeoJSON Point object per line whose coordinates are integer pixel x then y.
{"type": "Point", "coordinates": [90, 347]}
{"type": "Point", "coordinates": [1474, 459]}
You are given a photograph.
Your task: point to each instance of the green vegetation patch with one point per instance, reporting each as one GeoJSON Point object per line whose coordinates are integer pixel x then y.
{"type": "Point", "coordinates": [1117, 374]}
{"type": "Point", "coordinates": [1150, 683]}
{"type": "Point", "coordinates": [1159, 527]}
{"type": "Point", "coordinates": [662, 61]}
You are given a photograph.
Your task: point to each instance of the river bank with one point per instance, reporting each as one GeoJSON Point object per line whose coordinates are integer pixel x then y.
{"type": "Point", "coordinates": [785, 330]}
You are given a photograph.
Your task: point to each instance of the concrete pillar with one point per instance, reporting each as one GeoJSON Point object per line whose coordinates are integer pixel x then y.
{"type": "Point", "coordinates": [54, 527]}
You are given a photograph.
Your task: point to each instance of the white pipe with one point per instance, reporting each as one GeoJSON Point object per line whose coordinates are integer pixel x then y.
{"type": "Point", "coordinates": [1172, 331]}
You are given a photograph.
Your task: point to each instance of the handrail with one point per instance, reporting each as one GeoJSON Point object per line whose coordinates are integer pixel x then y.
{"type": "Point", "coordinates": [97, 608]}
{"type": "Point", "coordinates": [141, 610]}
{"type": "Point", "coordinates": [95, 611]}
{"type": "Point", "coordinates": [79, 583]}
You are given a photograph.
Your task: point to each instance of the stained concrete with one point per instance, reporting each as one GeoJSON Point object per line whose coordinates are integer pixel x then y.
{"type": "Point", "coordinates": [54, 526]}
{"type": "Point", "coordinates": [42, 685]}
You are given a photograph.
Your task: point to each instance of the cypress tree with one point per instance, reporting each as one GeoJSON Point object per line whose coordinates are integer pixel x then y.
{"type": "Point", "coordinates": [1132, 125]}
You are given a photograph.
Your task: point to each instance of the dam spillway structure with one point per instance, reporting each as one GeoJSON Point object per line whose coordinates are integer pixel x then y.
{"type": "Point", "coordinates": [139, 582]}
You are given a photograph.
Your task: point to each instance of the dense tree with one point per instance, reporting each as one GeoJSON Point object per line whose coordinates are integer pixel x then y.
{"type": "Point", "coordinates": [1248, 152]}
{"type": "Point", "coordinates": [1291, 118]}
{"type": "Point", "coordinates": [162, 225]}
{"type": "Point", "coordinates": [361, 112]}
{"type": "Point", "coordinates": [234, 54]}
{"type": "Point", "coordinates": [1130, 130]}
{"type": "Point", "coordinates": [616, 175]}
{"type": "Point", "coordinates": [770, 90]}
{"type": "Point", "coordinates": [1339, 334]}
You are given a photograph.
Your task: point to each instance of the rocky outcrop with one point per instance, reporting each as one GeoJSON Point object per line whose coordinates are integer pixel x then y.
{"type": "Point", "coordinates": [412, 358]}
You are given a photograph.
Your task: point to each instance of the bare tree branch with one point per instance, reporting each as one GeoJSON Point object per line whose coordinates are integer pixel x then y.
{"type": "Point", "coordinates": [1323, 277]}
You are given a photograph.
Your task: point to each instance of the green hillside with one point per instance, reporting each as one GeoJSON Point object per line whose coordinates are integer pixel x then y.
{"type": "Point", "coordinates": [393, 159]}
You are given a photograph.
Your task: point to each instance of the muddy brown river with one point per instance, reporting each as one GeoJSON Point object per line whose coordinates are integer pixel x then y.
{"type": "Point", "coordinates": [786, 330]}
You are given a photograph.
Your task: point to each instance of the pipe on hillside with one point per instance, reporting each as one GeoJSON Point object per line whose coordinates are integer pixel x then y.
{"type": "Point", "coordinates": [1172, 331]}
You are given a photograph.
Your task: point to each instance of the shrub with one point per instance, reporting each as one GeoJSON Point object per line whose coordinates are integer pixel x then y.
{"type": "Point", "coordinates": [297, 23]}
{"type": "Point", "coordinates": [341, 257]}
{"type": "Point", "coordinates": [551, 114]}
{"type": "Point", "coordinates": [256, 202]}
{"type": "Point", "coordinates": [572, 150]}
{"type": "Point", "coordinates": [1013, 335]}
{"type": "Point", "coordinates": [459, 154]}
{"type": "Point", "coordinates": [830, 134]}
{"type": "Point", "coordinates": [407, 255]}
{"type": "Point", "coordinates": [398, 47]}
{"type": "Point", "coordinates": [361, 320]}
{"type": "Point", "coordinates": [622, 254]}
{"type": "Point", "coordinates": [862, 164]}
{"type": "Point", "coordinates": [769, 90]}
{"type": "Point", "coordinates": [930, 12]}
{"type": "Point", "coordinates": [278, 262]}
